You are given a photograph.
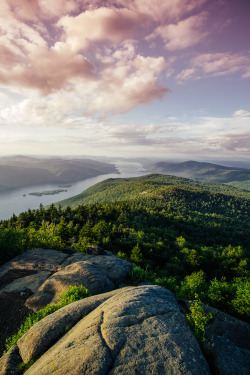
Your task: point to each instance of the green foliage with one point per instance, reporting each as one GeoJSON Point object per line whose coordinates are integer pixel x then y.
{"type": "Point", "coordinates": [11, 243]}
{"type": "Point", "coordinates": [199, 318]}
{"type": "Point", "coordinates": [241, 300]}
{"type": "Point", "coordinates": [136, 256]}
{"type": "Point", "coordinates": [219, 292]}
{"type": "Point", "coordinates": [72, 294]}
{"type": "Point", "coordinates": [190, 237]}
{"type": "Point", "coordinates": [193, 285]}
{"type": "Point", "coordinates": [25, 366]}
{"type": "Point", "coordinates": [138, 275]}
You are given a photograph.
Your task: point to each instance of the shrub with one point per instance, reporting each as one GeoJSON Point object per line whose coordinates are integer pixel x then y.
{"type": "Point", "coordinates": [193, 284]}
{"type": "Point", "coordinates": [198, 318]}
{"type": "Point", "coordinates": [241, 301]}
{"type": "Point", "coordinates": [138, 275]}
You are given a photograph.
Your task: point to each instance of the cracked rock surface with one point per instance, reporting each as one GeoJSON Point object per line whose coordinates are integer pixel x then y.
{"type": "Point", "coordinates": [137, 330]}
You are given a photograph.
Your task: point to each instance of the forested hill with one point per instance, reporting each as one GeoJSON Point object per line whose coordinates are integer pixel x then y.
{"type": "Point", "coordinates": [190, 237]}
{"type": "Point", "coordinates": [200, 171]}
{"type": "Point", "coordinates": [155, 186]}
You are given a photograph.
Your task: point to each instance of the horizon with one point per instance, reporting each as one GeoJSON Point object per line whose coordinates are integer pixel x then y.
{"type": "Point", "coordinates": [125, 79]}
{"type": "Point", "coordinates": [242, 164]}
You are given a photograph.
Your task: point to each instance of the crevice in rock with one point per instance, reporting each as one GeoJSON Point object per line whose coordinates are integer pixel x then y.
{"type": "Point", "coordinates": [105, 343]}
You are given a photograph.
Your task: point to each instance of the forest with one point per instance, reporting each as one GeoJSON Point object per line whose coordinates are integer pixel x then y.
{"type": "Point", "coordinates": [190, 237]}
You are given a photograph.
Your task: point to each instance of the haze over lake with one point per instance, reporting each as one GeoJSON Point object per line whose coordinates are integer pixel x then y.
{"type": "Point", "coordinates": [15, 202]}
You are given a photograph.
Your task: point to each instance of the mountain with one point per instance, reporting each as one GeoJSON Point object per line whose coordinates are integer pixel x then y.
{"type": "Point", "coordinates": [19, 171]}
{"type": "Point", "coordinates": [149, 186]}
{"type": "Point", "coordinates": [200, 171]}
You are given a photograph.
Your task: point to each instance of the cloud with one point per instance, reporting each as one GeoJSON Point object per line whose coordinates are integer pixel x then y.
{"type": "Point", "coordinates": [160, 10]}
{"type": "Point", "coordinates": [92, 55]}
{"type": "Point", "coordinates": [183, 34]}
{"type": "Point", "coordinates": [241, 113]}
{"type": "Point", "coordinates": [99, 25]}
{"type": "Point", "coordinates": [233, 142]}
{"type": "Point", "coordinates": [216, 65]}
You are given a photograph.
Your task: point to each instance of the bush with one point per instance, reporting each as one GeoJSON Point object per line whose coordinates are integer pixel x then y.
{"type": "Point", "coordinates": [193, 284]}
{"type": "Point", "coordinates": [138, 275]}
{"type": "Point", "coordinates": [198, 318]}
{"type": "Point", "coordinates": [219, 292]}
{"type": "Point", "coordinates": [241, 301]}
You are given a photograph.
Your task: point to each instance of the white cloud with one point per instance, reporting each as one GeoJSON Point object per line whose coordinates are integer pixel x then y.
{"type": "Point", "coordinates": [241, 113]}
{"type": "Point", "coordinates": [183, 34]}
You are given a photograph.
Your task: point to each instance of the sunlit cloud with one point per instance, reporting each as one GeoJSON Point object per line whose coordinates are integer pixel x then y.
{"type": "Point", "coordinates": [241, 113]}
{"type": "Point", "coordinates": [183, 34]}
{"type": "Point", "coordinates": [216, 65]}
{"type": "Point", "coordinates": [74, 69]}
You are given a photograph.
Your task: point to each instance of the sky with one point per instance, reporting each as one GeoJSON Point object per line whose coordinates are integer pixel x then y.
{"type": "Point", "coordinates": [165, 79]}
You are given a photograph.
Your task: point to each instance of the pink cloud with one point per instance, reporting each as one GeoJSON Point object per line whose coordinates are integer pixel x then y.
{"type": "Point", "coordinates": [44, 70]}
{"type": "Point", "coordinates": [215, 65]}
{"type": "Point", "coordinates": [160, 10]}
{"type": "Point", "coordinates": [183, 34]}
{"type": "Point", "coordinates": [100, 25]}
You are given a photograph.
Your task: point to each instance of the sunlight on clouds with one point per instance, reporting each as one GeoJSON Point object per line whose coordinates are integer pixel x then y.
{"type": "Point", "coordinates": [184, 34]}
{"type": "Point", "coordinates": [74, 60]}
{"type": "Point", "coordinates": [216, 65]}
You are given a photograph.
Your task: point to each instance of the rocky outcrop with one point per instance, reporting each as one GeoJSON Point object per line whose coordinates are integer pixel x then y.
{"type": "Point", "coordinates": [131, 330]}
{"type": "Point", "coordinates": [33, 279]}
{"type": "Point", "coordinates": [136, 330]}
{"type": "Point", "coordinates": [228, 345]}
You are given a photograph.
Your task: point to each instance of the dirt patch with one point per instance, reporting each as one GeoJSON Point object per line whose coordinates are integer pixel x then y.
{"type": "Point", "coordinates": [13, 313]}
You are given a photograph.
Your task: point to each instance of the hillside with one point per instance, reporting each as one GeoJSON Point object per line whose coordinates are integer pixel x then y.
{"type": "Point", "coordinates": [112, 190]}
{"type": "Point", "coordinates": [19, 171]}
{"type": "Point", "coordinates": [238, 177]}
{"type": "Point", "coordinates": [190, 237]}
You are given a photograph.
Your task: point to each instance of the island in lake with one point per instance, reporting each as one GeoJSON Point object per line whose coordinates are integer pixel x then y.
{"type": "Point", "coordinates": [48, 192]}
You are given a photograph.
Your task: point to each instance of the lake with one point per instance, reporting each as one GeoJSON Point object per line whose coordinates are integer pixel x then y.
{"type": "Point", "coordinates": [19, 200]}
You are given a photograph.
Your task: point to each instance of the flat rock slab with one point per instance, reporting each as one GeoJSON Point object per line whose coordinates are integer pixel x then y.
{"type": "Point", "coordinates": [37, 259]}
{"type": "Point", "coordinates": [80, 273]}
{"type": "Point", "coordinates": [32, 282]}
{"type": "Point", "coordinates": [139, 330]}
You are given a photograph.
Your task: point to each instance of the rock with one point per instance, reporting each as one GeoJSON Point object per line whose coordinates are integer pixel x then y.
{"type": "Point", "coordinates": [9, 363]}
{"type": "Point", "coordinates": [77, 257]}
{"type": "Point", "coordinates": [228, 345]}
{"type": "Point", "coordinates": [139, 330]}
{"type": "Point", "coordinates": [37, 259]}
{"type": "Point", "coordinates": [114, 268]}
{"type": "Point", "coordinates": [36, 276]}
{"type": "Point", "coordinates": [80, 273]}
{"type": "Point", "coordinates": [44, 333]}
{"type": "Point", "coordinates": [95, 250]}
{"type": "Point", "coordinates": [99, 274]}
{"type": "Point", "coordinates": [32, 282]}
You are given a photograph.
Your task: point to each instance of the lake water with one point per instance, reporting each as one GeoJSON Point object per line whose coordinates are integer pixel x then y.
{"type": "Point", "coordinates": [15, 202]}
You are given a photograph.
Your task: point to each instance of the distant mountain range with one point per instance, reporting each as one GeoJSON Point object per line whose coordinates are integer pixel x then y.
{"type": "Point", "coordinates": [199, 171]}
{"type": "Point", "coordinates": [20, 171]}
